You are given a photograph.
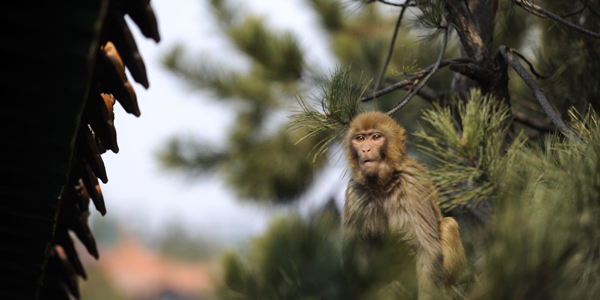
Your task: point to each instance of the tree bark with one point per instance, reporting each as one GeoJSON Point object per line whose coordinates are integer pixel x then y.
{"type": "Point", "coordinates": [474, 24]}
{"type": "Point", "coordinates": [483, 15]}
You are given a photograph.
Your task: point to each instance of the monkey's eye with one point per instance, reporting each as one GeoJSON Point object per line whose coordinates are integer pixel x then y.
{"type": "Point", "coordinates": [376, 136]}
{"type": "Point", "coordinates": [360, 138]}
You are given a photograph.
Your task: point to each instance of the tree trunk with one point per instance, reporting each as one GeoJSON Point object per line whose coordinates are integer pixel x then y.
{"type": "Point", "coordinates": [474, 23]}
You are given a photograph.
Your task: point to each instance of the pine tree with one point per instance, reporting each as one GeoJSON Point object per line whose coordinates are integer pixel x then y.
{"type": "Point", "coordinates": [524, 185]}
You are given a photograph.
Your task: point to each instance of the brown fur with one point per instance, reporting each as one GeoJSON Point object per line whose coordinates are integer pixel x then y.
{"type": "Point", "coordinates": [398, 200]}
{"type": "Point", "coordinates": [454, 254]}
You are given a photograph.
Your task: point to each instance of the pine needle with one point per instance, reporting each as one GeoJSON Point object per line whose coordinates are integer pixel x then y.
{"type": "Point", "coordinates": [339, 104]}
{"type": "Point", "coordinates": [467, 155]}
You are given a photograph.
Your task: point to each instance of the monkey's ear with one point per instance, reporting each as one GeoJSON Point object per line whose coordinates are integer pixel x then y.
{"type": "Point", "coordinates": [402, 133]}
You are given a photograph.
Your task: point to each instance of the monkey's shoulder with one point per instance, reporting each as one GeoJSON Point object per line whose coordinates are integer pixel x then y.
{"type": "Point", "coordinates": [412, 174]}
{"type": "Point", "coordinates": [410, 167]}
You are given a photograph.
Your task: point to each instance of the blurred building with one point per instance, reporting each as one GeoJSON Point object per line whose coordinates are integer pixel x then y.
{"type": "Point", "coordinates": [140, 273]}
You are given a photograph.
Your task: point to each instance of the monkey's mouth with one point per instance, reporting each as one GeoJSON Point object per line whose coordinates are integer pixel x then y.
{"type": "Point", "coordinates": [367, 161]}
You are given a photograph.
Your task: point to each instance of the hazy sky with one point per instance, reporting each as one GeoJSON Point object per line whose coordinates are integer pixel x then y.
{"type": "Point", "coordinates": [146, 198]}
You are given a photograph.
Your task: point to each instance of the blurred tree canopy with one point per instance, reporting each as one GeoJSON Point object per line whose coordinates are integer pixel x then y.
{"type": "Point", "coordinates": [260, 162]}
{"type": "Point", "coordinates": [308, 264]}
{"type": "Point", "coordinates": [524, 186]}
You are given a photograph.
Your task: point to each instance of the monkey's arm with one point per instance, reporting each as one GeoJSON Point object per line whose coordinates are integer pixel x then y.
{"type": "Point", "coordinates": [430, 261]}
{"type": "Point", "coordinates": [429, 255]}
{"type": "Point", "coordinates": [420, 219]}
{"type": "Point", "coordinates": [454, 253]}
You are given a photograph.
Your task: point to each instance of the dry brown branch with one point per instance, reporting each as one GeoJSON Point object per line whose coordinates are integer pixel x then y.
{"type": "Point", "coordinates": [537, 92]}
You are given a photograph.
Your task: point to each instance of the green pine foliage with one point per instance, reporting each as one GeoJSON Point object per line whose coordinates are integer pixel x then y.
{"type": "Point", "coordinates": [340, 103]}
{"type": "Point", "coordinates": [541, 238]}
{"type": "Point", "coordinates": [547, 233]}
{"type": "Point", "coordinates": [278, 55]}
{"type": "Point", "coordinates": [431, 13]}
{"type": "Point", "coordinates": [190, 155]}
{"type": "Point", "coordinates": [296, 259]}
{"type": "Point", "coordinates": [307, 259]}
{"type": "Point", "coordinates": [274, 168]}
{"type": "Point", "coordinates": [331, 13]}
{"type": "Point", "coordinates": [542, 242]}
{"type": "Point", "coordinates": [466, 157]}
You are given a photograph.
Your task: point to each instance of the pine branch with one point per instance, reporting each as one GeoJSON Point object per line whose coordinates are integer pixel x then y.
{"type": "Point", "coordinates": [466, 152]}
{"type": "Point", "coordinates": [537, 10]}
{"type": "Point", "coordinates": [339, 105]}
{"type": "Point", "coordinates": [391, 50]}
{"type": "Point", "coordinates": [422, 82]}
{"type": "Point", "coordinates": [537, 92]}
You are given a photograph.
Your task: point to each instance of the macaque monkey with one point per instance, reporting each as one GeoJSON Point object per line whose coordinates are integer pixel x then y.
{"type": "Point", "coordinates": [390, 196]}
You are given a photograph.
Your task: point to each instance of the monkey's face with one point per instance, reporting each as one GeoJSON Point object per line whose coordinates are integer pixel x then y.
{"type": "Point", "coordinates": [369, 148]}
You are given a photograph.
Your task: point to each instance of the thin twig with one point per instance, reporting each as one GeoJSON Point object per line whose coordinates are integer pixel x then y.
{"type": "Point", "coordinates": [530, 7]}
{"type": "Point", "coordinates": [592, 9]}
{"type": "Point", "coordinates": [532, 122]}
{"type": "Point", "coordinates": [405, 4]}
{"type": "Point", "coordinates": [537, 75]}
{"type": "Point", "coordinates": [428, 94]}
{"type": "Point", "coordinates": [444, 63]}
{"type": "Point", "coordinates": [389, 89]}
{"type": "Point", "coordinates": [415, 76]}
{"type": "Point", "coordinates": [422, 82]}
{"type": "Point", "coordinates": [391, 50]}
{"type": "Point", "coordinates": [537, 93]}
{"type": "Point", "coordinates": [531, 105]}
{"type": "Point", "coordinates": [573, 13]}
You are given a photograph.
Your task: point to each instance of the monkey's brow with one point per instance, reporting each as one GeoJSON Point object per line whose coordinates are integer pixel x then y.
{"type": "Point", "coordinates": [369, 133]}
